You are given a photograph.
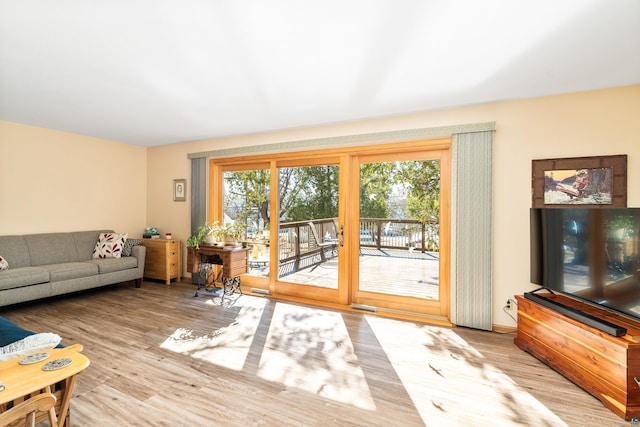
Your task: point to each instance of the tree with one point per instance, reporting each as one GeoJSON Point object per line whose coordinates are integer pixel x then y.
{"type": "Point", "coordinates": [376, 180]}
{"type": "Point", "coordinates": [246, 197]}
{"type": "Point", "coordinates": [307, 192]}
{"type": "Point", "coordinates": [311, 192]}
{"type": "Point", "coordinates": [423, 200]}
{"type": "Point", "coordinates": [317, 195]}
{"type": "Point", "coordinates": [422, 179]}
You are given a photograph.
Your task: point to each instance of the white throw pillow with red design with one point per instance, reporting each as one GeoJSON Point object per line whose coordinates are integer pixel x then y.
{"type": "Point", "coordinates": [110, 245]}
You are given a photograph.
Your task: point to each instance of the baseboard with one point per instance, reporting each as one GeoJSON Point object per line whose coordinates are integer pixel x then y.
{"type": "Point", "coordinates": [503, 329]}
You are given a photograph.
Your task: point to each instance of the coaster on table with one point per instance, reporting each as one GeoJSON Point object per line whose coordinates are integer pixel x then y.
{"type": "Point", "coordinates": [57, 364]}
{"type": "Point", "coordinates": [34, 358]}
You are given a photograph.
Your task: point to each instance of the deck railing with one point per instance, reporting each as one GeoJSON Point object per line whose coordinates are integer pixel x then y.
{"type": "Point", "coordinates": [300, 247]}
{"type": "Point", "coordinates": [408, 234]}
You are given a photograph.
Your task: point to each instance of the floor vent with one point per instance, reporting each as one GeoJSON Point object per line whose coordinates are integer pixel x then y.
{"type": "Point", "coordinates": [363, 307]}
{"type": "Point", "coordinates": [373, 309]}
{"type": "Point", "coordinates": [260, 291]}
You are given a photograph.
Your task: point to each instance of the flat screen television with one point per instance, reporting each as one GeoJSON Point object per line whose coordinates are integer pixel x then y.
{"type": "Point", "coordinates": [589, 253]}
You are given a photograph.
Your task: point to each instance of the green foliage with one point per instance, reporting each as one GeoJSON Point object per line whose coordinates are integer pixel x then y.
{"type": "Point", "coordinates": [376, 180]}
{"type": "Point", "coordinates": [309, 192]}
{"type": "Point", "coordinates": [201, 233]}
{"type": "Point", "coordinates": [247, 195]}
{"type": "Point", "coordinates": [422, 179]}
{"type": "Point", "coordinates": [235, 231]}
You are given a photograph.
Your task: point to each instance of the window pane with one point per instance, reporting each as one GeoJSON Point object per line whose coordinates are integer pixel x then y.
{"type": "Point", "coordinates": [399, 228]}
{"type": "Point", "coordinates": [307, 239]}
{"type": "Point", "coordinates": [246, 201]}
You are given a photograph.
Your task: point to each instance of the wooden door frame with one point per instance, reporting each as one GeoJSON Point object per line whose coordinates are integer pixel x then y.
{"type": "Point", "coordinates": [302, 291]}
{"type": "Point", "coordinates": [441, 307]}
{"type": "Point", "coordinates": [347, 160]}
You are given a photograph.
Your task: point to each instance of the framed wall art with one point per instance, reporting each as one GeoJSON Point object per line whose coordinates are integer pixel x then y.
{"type": "Point", "coordinates": [179, 190]}
{"type": "Point", "coordinates": [580, 181]}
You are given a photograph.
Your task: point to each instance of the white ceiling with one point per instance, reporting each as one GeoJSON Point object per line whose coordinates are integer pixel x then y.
{"type": "Point", "coordinates": [154, 72]}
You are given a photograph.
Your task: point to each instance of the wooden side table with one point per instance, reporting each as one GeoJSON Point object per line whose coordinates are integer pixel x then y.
{"type": "Point", "coordinates": [22, 380]}
{"type": "Point", "coordinates": [163, 260]}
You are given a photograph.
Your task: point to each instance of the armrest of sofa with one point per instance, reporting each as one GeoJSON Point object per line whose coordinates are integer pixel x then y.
{"type": "Point", "coordinates": [139, 252]}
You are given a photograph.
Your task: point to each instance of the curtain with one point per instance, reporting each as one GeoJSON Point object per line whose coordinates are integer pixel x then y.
{"type": "Point", "coordinates": [198, 193]}
{"type": "Point", "coordinates": [471, 287]}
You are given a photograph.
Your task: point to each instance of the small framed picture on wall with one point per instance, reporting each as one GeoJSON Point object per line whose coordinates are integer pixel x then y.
{"type": "Point", "coordinates": [179, 190]}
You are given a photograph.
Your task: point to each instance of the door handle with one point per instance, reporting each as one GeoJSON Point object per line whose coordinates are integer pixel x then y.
{"type": "Point", "coordinates": [341, 235]}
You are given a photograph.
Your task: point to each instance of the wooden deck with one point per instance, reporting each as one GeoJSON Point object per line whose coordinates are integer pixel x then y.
{"type": "Point", "coordinates": [388, 271]}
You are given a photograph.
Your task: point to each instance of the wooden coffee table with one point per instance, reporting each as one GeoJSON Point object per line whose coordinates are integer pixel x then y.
{"type": "Point", "coordinates": [20, 381]}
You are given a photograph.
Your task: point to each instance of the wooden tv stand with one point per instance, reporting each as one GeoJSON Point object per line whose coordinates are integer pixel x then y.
{"type": "Point", "coordinates": [606, 366]}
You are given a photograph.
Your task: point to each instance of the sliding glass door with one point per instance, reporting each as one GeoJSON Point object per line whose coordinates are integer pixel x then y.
{"type": "Point", "coordinates": [400, 251]}
{"type": "Point", "coordinates": [246, 202]}
{"type": "Point", "coordinates": [366, 225]}
{"type": "Point", "coordinates": [307, 250]}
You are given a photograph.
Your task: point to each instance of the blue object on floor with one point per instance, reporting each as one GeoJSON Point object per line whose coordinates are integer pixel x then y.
{"type": "Point", "coordinates": [10, 332]}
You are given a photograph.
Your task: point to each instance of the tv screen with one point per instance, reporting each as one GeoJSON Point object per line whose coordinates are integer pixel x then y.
{"type": "Point", "coordinates": [589, 253]}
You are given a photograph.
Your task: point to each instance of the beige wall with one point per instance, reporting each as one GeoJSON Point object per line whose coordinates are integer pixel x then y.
{"type": "Point", "coordinates": [584, 124]}
{"type": "Point", "coordinates": [55, 181]}
{"type": "Point", "coordinates": [51, 181]}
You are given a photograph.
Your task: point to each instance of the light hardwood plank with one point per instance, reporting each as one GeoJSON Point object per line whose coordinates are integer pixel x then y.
{"type": "Point", "coordinates": [159, 356]}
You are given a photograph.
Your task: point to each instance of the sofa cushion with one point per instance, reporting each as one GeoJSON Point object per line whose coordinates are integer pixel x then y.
{"type": "Point", "coordinates": [51, 248]}
{"type": "Point", "coordinates": [23, 276]}
{"type": "Point", "coordinates": [109, 265]}
{"type": "Point", "coordinates": [109, 245]}
{"type": "Point", "coordinates": [15, 250]}
{"type": "Point", "coordinates": [70, 270]}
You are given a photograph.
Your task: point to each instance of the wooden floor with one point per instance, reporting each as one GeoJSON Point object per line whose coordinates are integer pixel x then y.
{"type": "Point", "coordinates": [160, 357]}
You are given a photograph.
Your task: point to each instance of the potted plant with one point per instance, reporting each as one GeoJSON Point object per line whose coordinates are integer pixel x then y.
{"type": "Point", "coordinates": [211, 236]}
{"type": "Point", "coordinates": [205, 234]}
{"type": "Point", "coordinates": [230, 234]}
{"type": "Point", "coordinates": [193, 243]}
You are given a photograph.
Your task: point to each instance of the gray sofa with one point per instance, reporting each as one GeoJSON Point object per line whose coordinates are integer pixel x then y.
{"type": "Point", "coordinates": [45, 265]}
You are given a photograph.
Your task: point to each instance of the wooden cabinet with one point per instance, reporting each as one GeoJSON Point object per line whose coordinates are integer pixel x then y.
{"type": "Point", "coordinates": [606, 366]}
{"type": "Point", "coordinates": [163, 260]}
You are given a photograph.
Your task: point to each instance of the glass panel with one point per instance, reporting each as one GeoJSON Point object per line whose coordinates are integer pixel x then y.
{"type": "Point", "coordinates": [621, 245]}
{"type": "Point", "coordinates": [594, 246]}
{"type": "Point", "coordinates": [246, 201]}
{"type": "Point", "coordinates": [399, 228]}
{"type": "Point", "coordinates": [307, 240]}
